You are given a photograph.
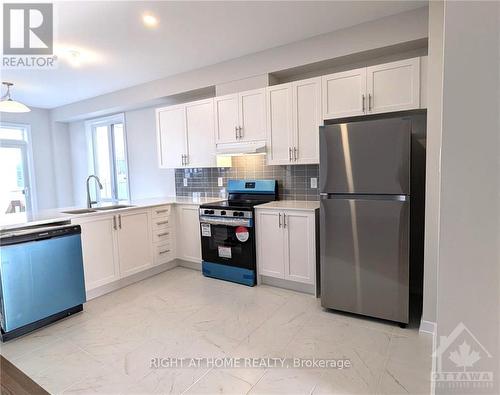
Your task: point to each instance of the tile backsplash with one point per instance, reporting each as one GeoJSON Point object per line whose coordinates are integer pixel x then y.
{"type": "Point", "coordinates": [294, 182]}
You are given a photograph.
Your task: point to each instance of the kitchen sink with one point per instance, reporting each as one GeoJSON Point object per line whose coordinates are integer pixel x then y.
{"type": "Point", "coordinates": [116, 206]}
{"type": "Point", "coordinates": [80, 211]}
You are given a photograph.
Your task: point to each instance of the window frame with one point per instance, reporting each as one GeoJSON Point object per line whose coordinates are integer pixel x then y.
{"type": "Point", "coordinates": [26, 147]}
{"type": "Point", "coordinates": [91, 126]}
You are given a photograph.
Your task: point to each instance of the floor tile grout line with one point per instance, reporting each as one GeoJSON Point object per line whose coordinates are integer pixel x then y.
{"type": "Point", "coordinates": [197, 380]}
{"type": "Point", "coordinates": [258, 381]}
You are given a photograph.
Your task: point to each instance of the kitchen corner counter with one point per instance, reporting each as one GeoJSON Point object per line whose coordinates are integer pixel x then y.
{"type": "Point", "coordinates": [58, 214]}
{"type": "Point", "coordinates": [301, 205]}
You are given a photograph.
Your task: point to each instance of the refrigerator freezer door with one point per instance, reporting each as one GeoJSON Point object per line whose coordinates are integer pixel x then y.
{"type": "Point", "coordinates": [364, 256]}
{"type": "Point", "coordinates": [368, 157]}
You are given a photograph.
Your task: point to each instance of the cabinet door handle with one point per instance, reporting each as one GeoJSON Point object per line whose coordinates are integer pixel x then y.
{"type": "Point", "coordinates": [295, 151]}
{"type": "Point", "coordinates": [240, 133]}
{"type": "Point", "coordinates": [182, 160]}
{"type": "Point", "coordinates": [114, 222]}
{"type": "Point", "coordinates": [284, 220]}
{"type": "Point", "coordinates": [186, 158]}
{"type": "Point", "coordinates": [363, 102]}
{"type": "Point", "coordinates": [236, 132]}
{"type": "Point", "coordinates": [163, 234]}
{"type": "Point", "coordinates": [369, 101]}
{"type": "Point", "coordinates": [120, 221]}
{"type": "Point", "coordinates": [164, 252]}
{"type": "Point", "coordinates": [289, 154]}
{"type": "Point", "coordinates": [279, 220]}
{"type": "Point", "coordinates": [162, 222]}
{"type": "Point", "coordinates": [161, 211]}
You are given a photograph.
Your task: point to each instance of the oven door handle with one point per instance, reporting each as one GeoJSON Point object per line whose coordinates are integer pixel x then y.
{"type": "Point", "coordinates": [227, 221]}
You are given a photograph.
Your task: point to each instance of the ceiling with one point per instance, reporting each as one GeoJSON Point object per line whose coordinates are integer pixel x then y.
{"type": "Point", "coordinates": [118, 51]}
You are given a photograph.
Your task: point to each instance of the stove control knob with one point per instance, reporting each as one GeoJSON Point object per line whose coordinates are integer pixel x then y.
{"type": "Point", "coordinates": [206, 212]}
{"type": "Point", "coordinates": [212, 212]}
{"type": "Point", "coordinates": [222, 212]}
{"type": "Point", "coordinates": [235, 214]}
{"type": "Point", "coordinates": [241, 214]}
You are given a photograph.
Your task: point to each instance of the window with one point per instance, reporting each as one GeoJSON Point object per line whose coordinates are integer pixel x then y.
{"type": "Point", "coordinates": [109, 148]}
{"type": "Point", "coordinates": [15, 191]}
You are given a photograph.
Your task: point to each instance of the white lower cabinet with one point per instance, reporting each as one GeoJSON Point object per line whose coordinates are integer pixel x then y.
{"type": "Point", "coordinates": [100, 258]}
{"type": "Point", "coordinates": [134, 241]}
{"type": "Point", "coordinates": [188, 233]}
{"type": "Point", "coordinates": [118, 245]}
{"type": "Point", "coordinates": [286, 244]}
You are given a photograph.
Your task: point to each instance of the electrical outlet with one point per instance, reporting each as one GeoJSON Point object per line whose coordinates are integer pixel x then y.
{"type": "Point", "coordinates": [185, 182]}
{"type": "Point", "coordinates": [220, 181]}
{"type": "Point", "coordinates": [314, 183]}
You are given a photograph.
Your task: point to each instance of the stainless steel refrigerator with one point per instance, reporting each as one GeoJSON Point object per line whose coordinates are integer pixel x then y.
{"type": "Point", "coordinates": [365, 217]}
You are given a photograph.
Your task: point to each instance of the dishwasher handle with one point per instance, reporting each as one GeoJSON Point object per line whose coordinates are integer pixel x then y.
{"type": "Point", "coordinates": [37, 234]}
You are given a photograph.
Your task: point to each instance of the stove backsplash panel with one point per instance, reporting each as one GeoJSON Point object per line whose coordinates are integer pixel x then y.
{"type": "Point", "coordinates": [294, 182]}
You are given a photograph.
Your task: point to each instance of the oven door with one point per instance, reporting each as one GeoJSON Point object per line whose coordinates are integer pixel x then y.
{"type": "Point", "coordinates": [228, 241]}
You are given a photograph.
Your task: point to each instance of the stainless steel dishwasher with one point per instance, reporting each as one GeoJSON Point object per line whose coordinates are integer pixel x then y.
{"type": "Point", "coordinates": [41, 277]}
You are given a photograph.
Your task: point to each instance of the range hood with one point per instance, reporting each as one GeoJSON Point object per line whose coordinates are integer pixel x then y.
{"type": "Point", "coordinates": [241, 148]}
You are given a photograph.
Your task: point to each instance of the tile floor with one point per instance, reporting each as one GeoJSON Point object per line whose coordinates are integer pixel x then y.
{"type": "Point", "coordinates": [181, 314]}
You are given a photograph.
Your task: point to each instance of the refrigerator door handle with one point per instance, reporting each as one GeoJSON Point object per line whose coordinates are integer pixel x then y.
{"type": "Point", "coordinates": [346, 196]}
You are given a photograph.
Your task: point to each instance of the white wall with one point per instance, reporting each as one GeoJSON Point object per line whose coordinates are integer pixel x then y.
{"type": "Point", "coordinates": [61, 151]}
{"type": "Point", "coordinates": [79, 159]}
{"type": "Point", "coordinates": [469, 264]}
{"type": "Point", "coordinates": [433, 160]}
{"type": "Point", "coordinates": [146, 178]}
{"type": "Point", "coordinates": [43, 156]}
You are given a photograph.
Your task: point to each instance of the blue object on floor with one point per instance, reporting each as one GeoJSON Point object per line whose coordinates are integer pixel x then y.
{"type": "Point", "coordinates": [229, 273]}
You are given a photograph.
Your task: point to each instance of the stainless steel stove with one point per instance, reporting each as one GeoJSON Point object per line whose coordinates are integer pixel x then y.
{"type": "Point", "coordinates": [228, 231]}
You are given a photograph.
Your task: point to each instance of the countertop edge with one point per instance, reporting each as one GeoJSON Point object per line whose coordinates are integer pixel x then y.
{"type": "Point", "coordinates": [57, 214]}
{"type": "Point", "coordinates": [297, 205]}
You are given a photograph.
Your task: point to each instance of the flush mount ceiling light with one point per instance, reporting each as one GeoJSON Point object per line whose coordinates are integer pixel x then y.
{"type": "Point", "coordinates": [149, 20]}
{"type": "Point", "coordinates": [9, 105]}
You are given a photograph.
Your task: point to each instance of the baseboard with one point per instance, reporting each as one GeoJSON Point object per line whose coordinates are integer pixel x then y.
{"type": "Point", "coordinates": [427, 327]}
{"type": "Point", "coordinates": [189, 264]}
{"type": "Point", "coordinates": [123, 282]}
{"type": "Point", "coordinates": [291, 285]}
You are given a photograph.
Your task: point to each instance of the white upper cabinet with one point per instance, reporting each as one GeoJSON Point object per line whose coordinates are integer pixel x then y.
{"type": "Point", "coordinates": [252, 115]}
{"type": "Point", "coordinates": [393, 86]}
{"type": "Point", "coordinates": [226, 116]}
{"type": "Point", "coordinates": [306, 120]}
{"type": "Point", "coordinates": [200, 134]}
{"type": "Point", "coordinates": [171, 136]}
{"type": "Point", "coordinates": [185, 134]}
{"type": "Point", "coordinates": [344, 94]}
{"type": "Point", "coordinates": [240, 116]}
{"type": "Point", "coordinates": [376, 89]}
{"type": "Point", "coordinates": [293, 119]}
{"type": "Point", "coordinates": [280, 138]}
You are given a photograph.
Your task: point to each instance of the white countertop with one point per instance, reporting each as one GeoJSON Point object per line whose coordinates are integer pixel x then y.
{"type": "Point", "coordinates": [56, 214]}
{"type": "Point", "coordinates": [290, 205]}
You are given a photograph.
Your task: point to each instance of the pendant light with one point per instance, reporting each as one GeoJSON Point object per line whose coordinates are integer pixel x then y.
{"type": "Point", "coordinates": [9, 105]}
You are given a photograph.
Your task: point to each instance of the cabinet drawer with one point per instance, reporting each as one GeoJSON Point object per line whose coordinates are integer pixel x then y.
{"type": "Point", "coordinates": [163, 253]}
{"type": "Point", "coordinates": [161, 235]}
{"type": "Point", "coordinates": [161, 223]}
{"type": "Point", "coordinates": [161, 211]}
